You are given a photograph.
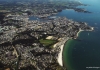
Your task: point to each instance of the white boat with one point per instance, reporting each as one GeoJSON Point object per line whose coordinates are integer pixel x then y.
{"type": "Point", "coordinates": [88, 33]}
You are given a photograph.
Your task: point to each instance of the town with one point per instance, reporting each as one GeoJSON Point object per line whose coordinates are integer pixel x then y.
{"type": "Point", "coordinates": [41, 9]}
{"type": "Point", "coordinates": [35, 44]}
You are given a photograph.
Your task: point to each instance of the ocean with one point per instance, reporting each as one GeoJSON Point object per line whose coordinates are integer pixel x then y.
{"type": "Point", "coordinates": [84, 54]}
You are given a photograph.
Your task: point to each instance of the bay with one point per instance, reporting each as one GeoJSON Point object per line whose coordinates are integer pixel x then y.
{"type": "Point", "coordinates": [80, 55]}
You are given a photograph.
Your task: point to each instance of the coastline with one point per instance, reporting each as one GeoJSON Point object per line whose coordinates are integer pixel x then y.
{"type": "Point", "coordinates": [92, 28]}
{"type": "Point", "coordinates": [60, 54]}
{"type": "Point", "coordinates": [60, 60]}
{"type": "Point", "coordinates": [61, 46]}
{"type": "Point", "coordinates": [65, 48]}
{"type": "Point", "coordinates": [79, 32]}
{"type": "Point", "coordinates": [77, 35]}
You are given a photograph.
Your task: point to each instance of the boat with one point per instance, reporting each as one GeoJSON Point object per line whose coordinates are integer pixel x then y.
{"type": "Point", "coordinates": [88, 33]}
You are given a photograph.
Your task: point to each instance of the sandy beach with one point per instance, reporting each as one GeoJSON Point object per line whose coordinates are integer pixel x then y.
{"type": "Point", "coordinates": [61, 46]}
{"type": "Point", "coordinates": [60, 56]}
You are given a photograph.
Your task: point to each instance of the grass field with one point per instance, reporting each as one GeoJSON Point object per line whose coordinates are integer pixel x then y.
{"type": "Point", "coordinates": [47, 42]}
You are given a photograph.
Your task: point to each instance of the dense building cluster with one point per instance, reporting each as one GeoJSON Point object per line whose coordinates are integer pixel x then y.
{"type": "Point", "coordinates": [30, 44]}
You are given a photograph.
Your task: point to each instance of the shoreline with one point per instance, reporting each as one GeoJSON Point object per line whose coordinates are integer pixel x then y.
{"type": "Point", "coordinates": [78, 33]}
{"type": "Point", "coordinates": [60, 54]}
{"type": "Point", "coordinates": [60, 60]}
{"type": "Point", "coordinates": [67, 44]}
{"type": "Point", "coordinates": [92, 28]}
{"type": "Point", "coordinates": [61, 45]}
{"type": "Point", "coordinates": [70, 39]}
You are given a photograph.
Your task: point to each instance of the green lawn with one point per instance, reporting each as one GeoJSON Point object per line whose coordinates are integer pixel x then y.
{"type": "Point", "coordinates": [47, 42]}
